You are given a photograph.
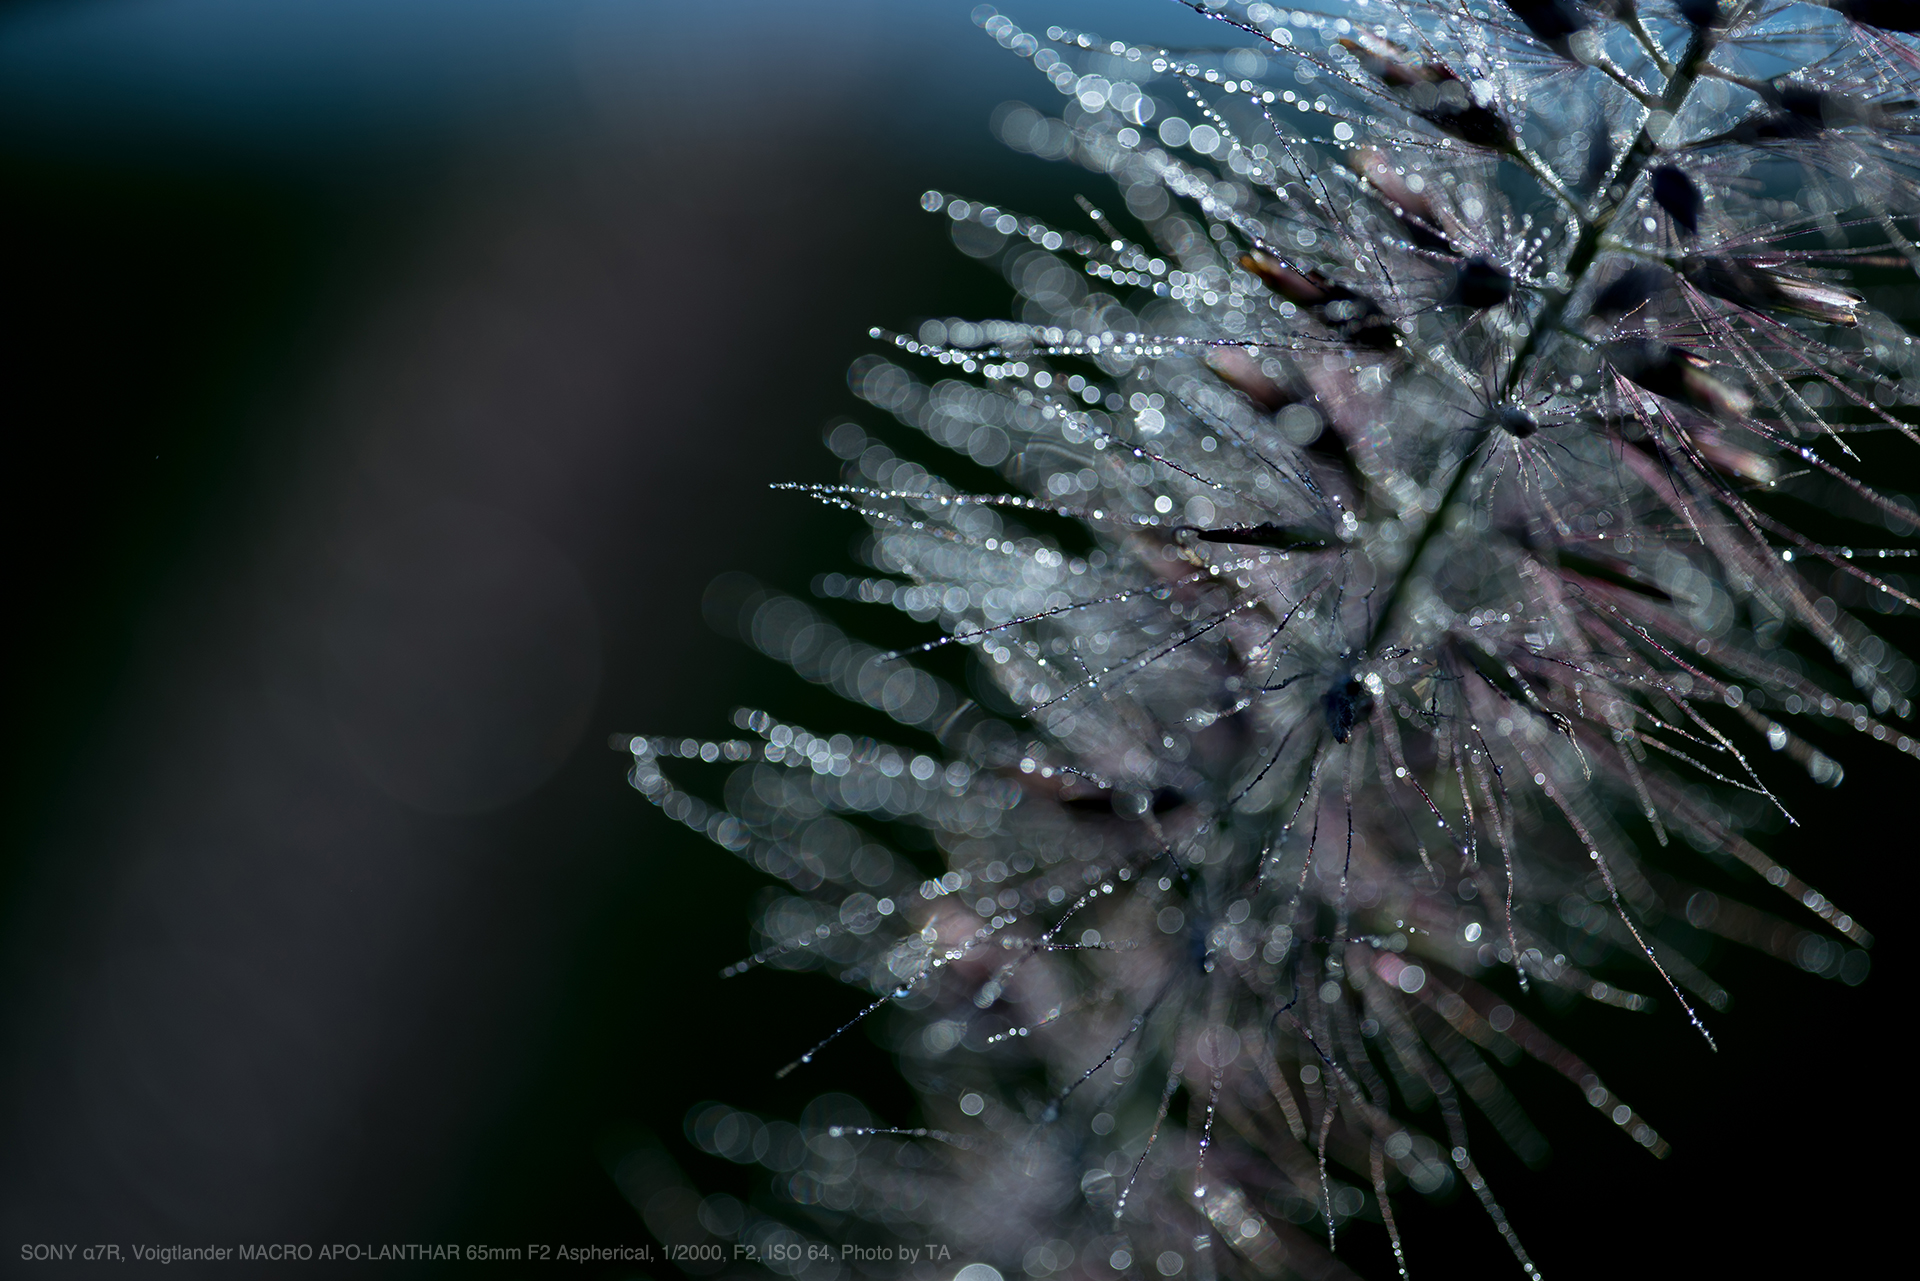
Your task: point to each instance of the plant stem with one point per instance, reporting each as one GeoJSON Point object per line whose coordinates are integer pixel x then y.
{"type": "Point", "coordinates": [1579, 262]}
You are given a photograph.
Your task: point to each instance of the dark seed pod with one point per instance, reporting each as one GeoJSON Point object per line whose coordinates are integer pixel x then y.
{"type": "Point", "coordinates": [1302, 288]}
{"type": "Point", "coordinates": [1360, 322]}
{"type": "Point", "coordinates": [1516, 422]}
{"type": "Point", "coordinates": [1372, 332]}
{"type": "Point", "coordinates": [1481, 126]}
{"type": "Point", "coordinates": [1345, 705]}
{"type": "Point", "coordinates": [1888, 15]}
{"type": "Point", "coordinates": [1265, 534]}
{"type": "Point", "coordinates": [1733, 460]}
{"type": "Point", "coordinates": [1701, 13]}
{"type": "Point", "coordinates": [1439, 96]}
{"type": "Point", "coordinates": [1600, 156]}
{"type": "Point", "coordinates": [1800, 112]}
{"type": "Point", "coordinates": [1101, 804]}
{"type": "Point", "coordinates": [1243, 373]}
{"type": "Point", "coordinates": [1762, 287]}
{"type": "Point", "coordinates": [1393, 66]}
{"type": "Point", "coordinates": [1482, 284]}
{"type": "Point", "coordinates": [1679, 375]}
{"type": "Point", "coordinates": [1810, 107]}
{"type": "Point", "coordinates": [1198, 950]}
{"type": "Point", "coordinates": [1331, 448]}
{"type": "Point", "coordinates": [1674, 192]}
{"type": "Point", "coordinates": [1710, 447]}
{"type": "Point", "coordinates": [1356, 318]}
{"type": "Point", "coordinates": [1552, 21]}
{"type": "Point", "coordinates": [1629, 293]}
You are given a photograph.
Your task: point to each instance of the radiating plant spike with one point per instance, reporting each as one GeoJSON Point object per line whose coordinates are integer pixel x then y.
{"type": "Point", "coordinates": [1401, 538]}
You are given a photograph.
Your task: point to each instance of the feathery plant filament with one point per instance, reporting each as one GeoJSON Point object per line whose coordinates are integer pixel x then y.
{"type": "Point", "coordinates": [1394, 591]}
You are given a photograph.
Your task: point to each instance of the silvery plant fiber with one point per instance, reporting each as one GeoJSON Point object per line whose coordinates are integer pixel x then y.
{"type": "Point", "coordinates": [1379, 576]}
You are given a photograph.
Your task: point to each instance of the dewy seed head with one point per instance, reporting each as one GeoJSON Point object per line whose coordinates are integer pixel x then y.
{"type": "Point", "coordinates": [1287, 710]}
{"type": "Point", "coordinates": [1345, 705]}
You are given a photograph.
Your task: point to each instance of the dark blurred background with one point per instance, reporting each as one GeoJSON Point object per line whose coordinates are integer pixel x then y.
{"type": "Point", "coordinates": [383, 383]}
